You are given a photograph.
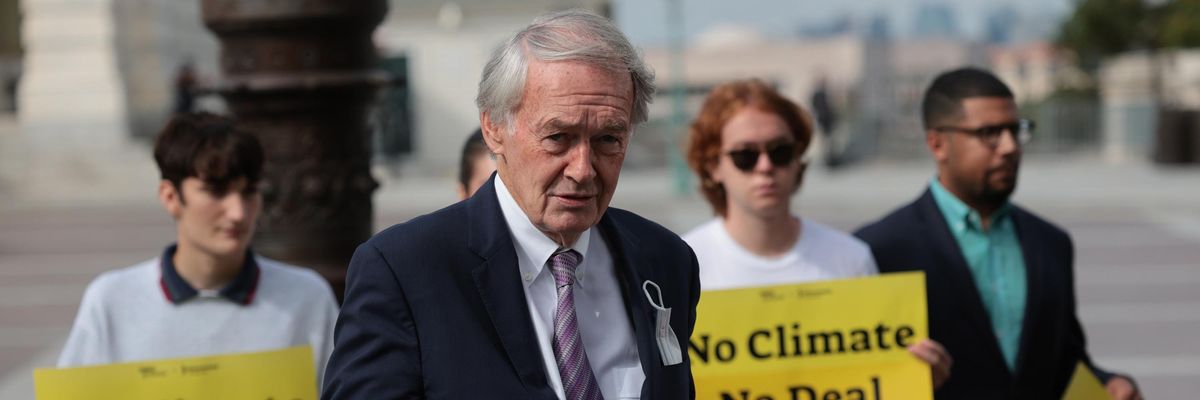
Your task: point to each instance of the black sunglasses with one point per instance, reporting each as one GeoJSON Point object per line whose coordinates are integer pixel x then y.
{"type": "Point", "coordinates": [780, 154]}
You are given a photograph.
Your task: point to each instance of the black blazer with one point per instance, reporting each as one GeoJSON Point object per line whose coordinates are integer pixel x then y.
{"type": "Point", "coordinates": [917, 238]}
{"type": "Point", "coordinates": [435, 308]}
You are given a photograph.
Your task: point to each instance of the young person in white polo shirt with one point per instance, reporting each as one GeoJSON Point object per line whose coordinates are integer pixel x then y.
{"type": "Point", "coordinates": [745, 145]}
{"type": "Point", "coordinates": [208, 293]}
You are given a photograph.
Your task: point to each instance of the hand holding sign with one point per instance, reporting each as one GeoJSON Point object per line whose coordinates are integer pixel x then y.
{"type": "Point", "coordinates": [937, 357]}
{"type": "Point", "coordinates": [1122, 389]}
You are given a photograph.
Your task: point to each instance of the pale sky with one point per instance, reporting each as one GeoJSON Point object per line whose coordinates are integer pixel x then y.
{"type": "Point", "coordinates": [646, 24]}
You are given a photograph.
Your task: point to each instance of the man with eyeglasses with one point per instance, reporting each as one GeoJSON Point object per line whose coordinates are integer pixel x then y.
{"type": "Point", "coordinates": [999, 279]}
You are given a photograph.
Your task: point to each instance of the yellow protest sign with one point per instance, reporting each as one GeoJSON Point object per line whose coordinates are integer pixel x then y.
{"type": "Point", "coordinates": [1085, 386]}
{"type": "Point", "coordinates": [840, 339]}
{"type": "Point", "coordinates": [283, 374]}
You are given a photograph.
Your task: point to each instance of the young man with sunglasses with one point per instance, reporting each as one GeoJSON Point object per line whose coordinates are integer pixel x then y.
{"type": "Point", "coordinates": [745, 145]}
{"type": "Point", "coordinates": [999, 279]}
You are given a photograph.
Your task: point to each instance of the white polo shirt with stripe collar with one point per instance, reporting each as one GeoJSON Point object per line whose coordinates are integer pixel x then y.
{"type": "Point", "coordinates": [147, 312]}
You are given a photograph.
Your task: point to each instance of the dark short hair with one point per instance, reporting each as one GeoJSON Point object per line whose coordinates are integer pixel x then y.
{"type": "Point", "coordinates": [943, 99]}
{"type": "Point", "coordinates": [208, 147]}
{"type": "Point", "coordinates": [722, 103]}
{"type": "Point", "coordinates": [472, 149]}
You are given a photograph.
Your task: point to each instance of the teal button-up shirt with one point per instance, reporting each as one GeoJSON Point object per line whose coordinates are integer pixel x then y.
{"type": "Point", "coordinates": [996, 263]}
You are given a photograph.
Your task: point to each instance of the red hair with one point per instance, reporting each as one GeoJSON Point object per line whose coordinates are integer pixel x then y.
{"type": "Point", "coordinates": [722, 103]}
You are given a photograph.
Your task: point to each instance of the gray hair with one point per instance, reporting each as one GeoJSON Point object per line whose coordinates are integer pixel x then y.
{"type": "Point", "coordinates": [572, 35]}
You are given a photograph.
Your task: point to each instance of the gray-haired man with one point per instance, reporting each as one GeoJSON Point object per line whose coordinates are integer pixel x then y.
{"type": "Point", "coordinates": [532, 288]}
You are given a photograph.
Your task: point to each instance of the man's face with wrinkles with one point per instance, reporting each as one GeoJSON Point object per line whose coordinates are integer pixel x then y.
{"type": "Point", "coordinates": [562, 156]}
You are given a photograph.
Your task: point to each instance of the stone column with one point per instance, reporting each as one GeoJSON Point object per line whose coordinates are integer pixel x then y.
{"type": "Point", "coordinates": [300, 74]}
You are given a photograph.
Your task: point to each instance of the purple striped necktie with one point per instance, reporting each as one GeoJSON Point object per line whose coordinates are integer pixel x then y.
{"type": "Point", "coordinates": [579, 383]}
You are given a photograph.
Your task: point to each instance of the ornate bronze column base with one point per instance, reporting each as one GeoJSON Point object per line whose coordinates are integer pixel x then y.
{"type": "Point", "coordinates": [300, 74]}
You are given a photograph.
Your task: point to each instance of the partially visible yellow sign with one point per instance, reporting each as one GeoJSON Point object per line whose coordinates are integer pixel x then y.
{"type": "Point", "coordinates": [1085, 386]}
{"type": "Point", "coordinates": [842, 339]}
{"type": "Point", "coordinates": [287, 374]}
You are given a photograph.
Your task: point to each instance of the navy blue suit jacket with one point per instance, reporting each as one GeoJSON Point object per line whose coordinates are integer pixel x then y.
{"type": "Point", "coordinates": [917, 238]}
{"type": "Point", "coordinates": [435, 308]}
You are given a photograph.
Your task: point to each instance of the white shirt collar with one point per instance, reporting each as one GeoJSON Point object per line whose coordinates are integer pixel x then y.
{"type": "Point", "coordinates": [530, 242]}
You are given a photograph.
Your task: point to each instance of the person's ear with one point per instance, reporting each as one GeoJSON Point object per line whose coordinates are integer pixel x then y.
{"type": "Point", "coordinates": [494, 134]}
{"type": "Point", "coordinates": [170, 198]}
{"type": "Point", "coordinates": [712, 167]}
{"type": "Point", "coordinates": [938, 144]}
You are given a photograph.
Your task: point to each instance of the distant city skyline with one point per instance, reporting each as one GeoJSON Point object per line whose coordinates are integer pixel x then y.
{"type": "Point", "coordinates": [645, 21]}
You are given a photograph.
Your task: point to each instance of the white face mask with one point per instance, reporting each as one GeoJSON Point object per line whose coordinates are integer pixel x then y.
{"type": "Point", "coordinates": [668, 343]}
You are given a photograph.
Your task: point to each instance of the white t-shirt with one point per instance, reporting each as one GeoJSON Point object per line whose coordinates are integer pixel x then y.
{"type": "Point", "coordinates": [125, 316]}
{"type": "Point", "coordinates": [821, 253]}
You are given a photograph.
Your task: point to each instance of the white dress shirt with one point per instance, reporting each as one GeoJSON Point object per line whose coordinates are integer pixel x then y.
{"type": "Point", "coordinates": [603, 322]}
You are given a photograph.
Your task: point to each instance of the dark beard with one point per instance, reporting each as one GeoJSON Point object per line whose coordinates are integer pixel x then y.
{"type": "Point", "coordinates": [995, 196]}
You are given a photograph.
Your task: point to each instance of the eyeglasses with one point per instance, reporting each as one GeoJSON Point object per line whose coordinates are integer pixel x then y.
{"type": "Point", "coordinates": [1022, 131]}
{"type": "Point", "coordinates": [780, 154]}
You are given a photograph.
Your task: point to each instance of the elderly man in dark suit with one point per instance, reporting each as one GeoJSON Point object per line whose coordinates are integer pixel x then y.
{"type": "Point", "coordinates": [1000, 281]}
{"type": "Point", "coordinates": [533, 288]}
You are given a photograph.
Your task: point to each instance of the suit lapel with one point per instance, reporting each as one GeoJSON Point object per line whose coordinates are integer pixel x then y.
{"type": "Point", "coordinates": [499, 284]}
{"type": "Point", "coordinates": [1030, 241]}
{"type": "Point", "coordinates": [631, 274]}
{"type": "Point", "coordinates": [950, 263]}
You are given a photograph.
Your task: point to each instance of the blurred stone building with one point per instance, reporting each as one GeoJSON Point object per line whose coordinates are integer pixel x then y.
{"type": "Point", "coordinates": [876, 83]}
{"type": "Point", "coordinates": [851, 67]}
{"type": "Point", "coordinates": [440, 47]}
{"type": "Point", "coordinates": [96, 85]}
{"type": "Point", "coordinates": [98, 79]}
{"type": "Point", "coordinates": [1135, 88]}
